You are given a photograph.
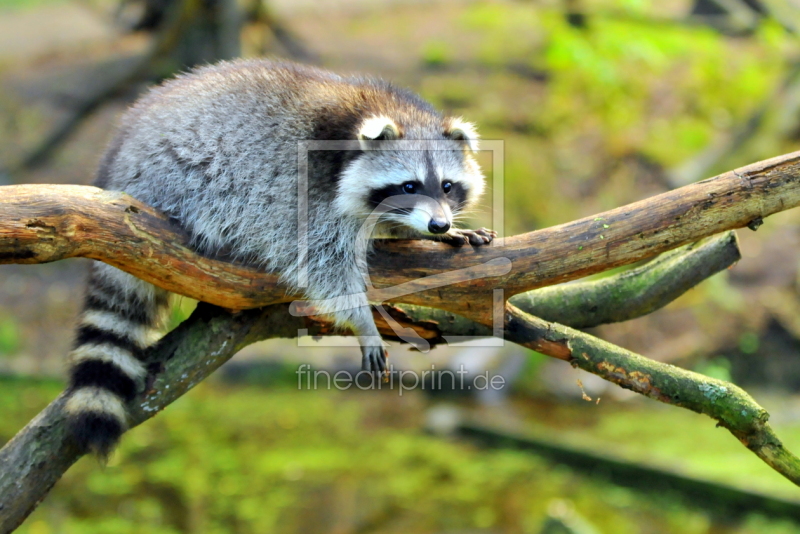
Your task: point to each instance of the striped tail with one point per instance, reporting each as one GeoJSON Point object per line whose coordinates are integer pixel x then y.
{"type": "Point", "coordinates": [120, 319]}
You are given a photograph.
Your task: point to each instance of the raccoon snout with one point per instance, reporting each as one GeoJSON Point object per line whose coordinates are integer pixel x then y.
{"type": "Point", "coordinates": [438, 226]}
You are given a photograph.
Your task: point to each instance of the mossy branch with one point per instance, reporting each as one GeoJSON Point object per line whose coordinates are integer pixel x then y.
{"type": "Point", "coordinates": [46, 223]}
{"type": "Point", "coordinates": [32, 462]}
{"type": "Point", "coordinates": [730, 405]}
{"type": "Point", "coordinates": [635, 292]}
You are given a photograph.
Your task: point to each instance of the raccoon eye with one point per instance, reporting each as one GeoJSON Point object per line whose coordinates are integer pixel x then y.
{"type": "Point", "coordinates": [409, 188]}
{"type": "Point", "coordinates": [447, 187]}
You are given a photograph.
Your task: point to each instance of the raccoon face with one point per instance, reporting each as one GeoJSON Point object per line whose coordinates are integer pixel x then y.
{"type": "Point", "coordinates": [419, 180]}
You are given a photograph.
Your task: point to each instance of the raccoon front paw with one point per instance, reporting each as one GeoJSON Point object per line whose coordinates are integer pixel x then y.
{"type": "Point", "coordinates": [374, 360]}
{"type": "Point", "coordinates": [476, 238]}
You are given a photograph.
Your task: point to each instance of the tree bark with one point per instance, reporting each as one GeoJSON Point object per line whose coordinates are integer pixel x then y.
{"type": "Point", "coordinates": [633, 293]}
{"type": "Point", "coordinates": [47, 223]}
{"type": "Point", "coordinates": [33, 461]}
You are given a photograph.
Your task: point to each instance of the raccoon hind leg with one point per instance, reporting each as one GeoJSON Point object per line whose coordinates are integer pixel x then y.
{"type": "Point", "coordinates": [119, 321]}
{"type": "Point", "coordinates": [360, 320]}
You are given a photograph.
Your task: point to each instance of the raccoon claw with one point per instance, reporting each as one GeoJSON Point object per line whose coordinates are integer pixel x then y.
{"type": "Point", "coordinates": [486, 235]}
{"type": "Point", "coordinates": [374, 360]}
{"type": "Point", "coordinates": [476, 238]}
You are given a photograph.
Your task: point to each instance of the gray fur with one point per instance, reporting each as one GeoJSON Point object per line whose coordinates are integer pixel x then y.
{"type": "Point", "coordinates": [217, 150]}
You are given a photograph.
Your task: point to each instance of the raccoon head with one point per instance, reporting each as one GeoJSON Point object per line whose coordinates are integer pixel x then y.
{"type": "Point", "coordinates": [415, 177]}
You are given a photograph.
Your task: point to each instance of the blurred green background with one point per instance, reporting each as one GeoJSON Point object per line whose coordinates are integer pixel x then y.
{"type": "Point", "coordinates": [599, 103]}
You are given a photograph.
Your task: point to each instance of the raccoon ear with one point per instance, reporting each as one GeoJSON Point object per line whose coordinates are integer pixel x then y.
{"type": "Point", "coordinates": [461, 130]}
{"type": "Point", "coordinates": [377, 129]}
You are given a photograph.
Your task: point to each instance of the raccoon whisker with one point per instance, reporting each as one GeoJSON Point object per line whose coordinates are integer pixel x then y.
{"type": "Point", "coordinates": [469, 210]}
{"type": "Point", "coordinates": [396, 224]}
{"type": "Point", "coordinates": [460, 206]}
{"type": "Point", "coordinates": [463, 214]}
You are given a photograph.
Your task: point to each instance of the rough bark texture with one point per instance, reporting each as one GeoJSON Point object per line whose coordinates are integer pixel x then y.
{"type": "Point", "coordinates": [621, 236]}
{"type": "Point", "coordinates": [46, 223]}
{"type": "Point", "coordinates": [32, 462]}
{"type": "Point", "coordinates": [730, 405]}
{"type": "Point", "coordinates": [633, 293]}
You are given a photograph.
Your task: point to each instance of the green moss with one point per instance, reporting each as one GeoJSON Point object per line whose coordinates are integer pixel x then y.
{"type": "Point", "coordinates": [289, 461]}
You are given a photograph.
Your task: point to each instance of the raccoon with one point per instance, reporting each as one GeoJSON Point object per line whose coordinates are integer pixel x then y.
{"type": "Point", "coordinates": [217, 151]}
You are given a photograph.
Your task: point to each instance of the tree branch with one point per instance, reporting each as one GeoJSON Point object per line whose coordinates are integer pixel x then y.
{"type": "Point", "coordinates": [32, 462]}
{"type": "Point", "coordinates": [47, 223]}
{"type": "Point", "coordinates": [635, 292]}
{"type": "Point", "coordinates": [730, 405]}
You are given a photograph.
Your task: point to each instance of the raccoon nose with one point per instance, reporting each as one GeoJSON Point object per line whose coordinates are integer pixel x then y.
{"type": "Point", "coordinates": [438, 226]}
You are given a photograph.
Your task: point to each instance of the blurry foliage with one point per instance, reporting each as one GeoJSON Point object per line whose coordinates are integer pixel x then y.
{"type": "Point", "coordinates": [660, 436]}
{"type": "Point", "coordinates": [623, 86]}
{"type": "Point", "coordinates": [748, 342]}
{"type": "Point", "coordinates": [26, 4]}
{"type": "Point", "coordinates": [247, 460]}
{"type": "Point", "coordinates": [436, 54]}
{"type": "Point", "coordinates": [590, 118]}
{"type": "Point", "coordinates": [528, 383]}
{"type": "Point", "coordinates": [722, 294]}
{"type": "Point", "coordinates": [9, 335]}
{"type": "Point", "coordinates": [180, 309]}
{"type": "Point", "coordinates": [719, 368]}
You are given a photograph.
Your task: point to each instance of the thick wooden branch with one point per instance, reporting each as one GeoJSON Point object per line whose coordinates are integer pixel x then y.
{"type": "Point", "coordinates": [47, 223]}
{"type": "Point", "coordinates": [633, 293]}
{"type": "Point", "coordinates": [32, 462]}
{"type": "Point", "coordinates": [37, 457]}
{"type": "Point", "coordinates": [616, 298]}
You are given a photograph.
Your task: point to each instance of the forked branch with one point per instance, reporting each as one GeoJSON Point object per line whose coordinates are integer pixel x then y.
{"type": "Point", "coordinates": [47, 223]}
{"type": "Point", "coordinates": [40, 453]}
